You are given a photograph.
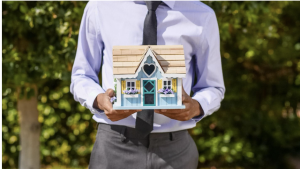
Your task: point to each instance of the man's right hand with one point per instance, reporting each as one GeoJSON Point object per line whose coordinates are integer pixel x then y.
{"type": "Point", "coordinates": [102, 102]}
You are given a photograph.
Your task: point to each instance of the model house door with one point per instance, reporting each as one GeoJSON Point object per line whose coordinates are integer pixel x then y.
{"type": "Point", "coordinates": [149, 92]}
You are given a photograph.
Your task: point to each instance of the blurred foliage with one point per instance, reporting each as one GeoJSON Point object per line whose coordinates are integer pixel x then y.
{"type": "Point", "coordinates": [39, 46]}
{"type": "Point", "coordinates": [256, 127]}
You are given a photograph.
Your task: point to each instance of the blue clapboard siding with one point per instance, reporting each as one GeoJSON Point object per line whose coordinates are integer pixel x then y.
{"type": "Point", "coordinates": [131, 101]}
{"type": "Point", "coordinates": [162, 101]}
{"type": "Point", "coordinates": [167, 101]}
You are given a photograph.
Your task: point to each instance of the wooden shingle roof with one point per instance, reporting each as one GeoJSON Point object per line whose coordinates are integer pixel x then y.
{"type": "Point", "coordinates": [126, 59]}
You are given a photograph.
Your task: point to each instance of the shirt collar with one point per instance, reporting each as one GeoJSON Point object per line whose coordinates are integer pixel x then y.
{"type": "Point", "coordinates": [170, 3]}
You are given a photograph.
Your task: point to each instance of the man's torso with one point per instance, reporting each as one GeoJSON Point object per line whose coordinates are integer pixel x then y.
{"type": "Point", "coordinates": [121, 23]}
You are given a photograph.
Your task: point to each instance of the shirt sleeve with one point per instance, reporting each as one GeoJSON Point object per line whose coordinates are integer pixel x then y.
{"type": "Point", "coordinates": [84, 80]}
{"type": "Point", "coordinates": [209, 88]}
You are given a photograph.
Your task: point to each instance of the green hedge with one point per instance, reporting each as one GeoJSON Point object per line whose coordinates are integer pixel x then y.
{"type": "Point", "coordinates": [256, 127]}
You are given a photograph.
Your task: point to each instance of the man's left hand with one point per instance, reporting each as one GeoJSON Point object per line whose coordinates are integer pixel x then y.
{"type": "Point", "coordinates": [192, 109]}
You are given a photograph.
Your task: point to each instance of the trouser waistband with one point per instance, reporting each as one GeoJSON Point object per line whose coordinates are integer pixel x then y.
{"type": "Point", "coordinates": [132, 133]}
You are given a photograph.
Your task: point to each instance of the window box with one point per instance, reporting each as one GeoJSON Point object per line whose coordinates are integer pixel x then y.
{"type": "Point", "coordinates": [131, 91]}
{"type": "Point", "coordinates": [166, 95]}
{"type": "Point", "coordinates": [165, 92]}
{"type": "Point", "coordinates": [131, 95]}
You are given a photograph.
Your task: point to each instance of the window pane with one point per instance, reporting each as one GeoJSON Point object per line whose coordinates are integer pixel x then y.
{"type": "Point", "coordinates": [169, 87]}
{"type": "Point", "coordinates": [165, 83]}
{"type": "Point", "coordinates": [132, 88]}
{"type": "Point", "coordinates": [132, 84]}
{"type": "Point", "coordinates": [169, 82]}
{"type": "Point", "coordinates": [128, 84]}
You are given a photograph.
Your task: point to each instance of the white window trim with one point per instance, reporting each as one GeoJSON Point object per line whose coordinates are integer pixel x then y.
{"type": "Point", "coordinates": [166, 95]}
{"type": "Point", "coordinates": [118, 102]}
{"type": "Point", "coordinates": [179, 91]}
{"type": "Point", "coordinates": [131, 80]}
{"type": "Point", "coordinates": [166, 79]}
{"type": "Point", "coordinates": [131, 95]}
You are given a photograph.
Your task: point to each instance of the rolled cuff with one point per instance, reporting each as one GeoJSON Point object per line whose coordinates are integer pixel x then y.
{"type": "Point", "coordinates": [90, 101]}
{"type": "Point", "coordinates": [204, 105]}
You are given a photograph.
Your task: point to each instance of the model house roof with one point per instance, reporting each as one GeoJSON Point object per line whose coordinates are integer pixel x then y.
{"type": "Point", "coordinates": [126, 59]}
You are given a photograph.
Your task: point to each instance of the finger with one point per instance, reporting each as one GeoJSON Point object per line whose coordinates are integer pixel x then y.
{"type": "Point", "coordinates": [133, 111]}
{"type": "Point", "coordinates": [128, 112]}
{"type": "Point", "coordinates": [157, 111]}
{"type": "Point", "coordinates": [174, 111]}
{"type": "Point", "coordinates": [185, 96]}
{"type": "Point", "coordinates": [110, 92]}
{"type": "Point", "coordinates": [115, 115]}
{"type": "Point", "coordinates": [183, 91]}
{"type": "Point", "coordinates": [171, 116]}
{"type": "Point", "coordinates": [180, 117]}
{"type": "Point", "coordinates": [123, 114]}
{"type": "Point", "coordinates": [107, 106]}
{"type": "Point", "coordinates": [125, 111]}
{"type": "Point", "coordinates": [170, 111]}
{"type": "Point", "coordinates": [187, 106]}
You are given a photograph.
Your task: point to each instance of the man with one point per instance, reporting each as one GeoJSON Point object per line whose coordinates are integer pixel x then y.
{"type": "Point", "coordinates": [121, 141]}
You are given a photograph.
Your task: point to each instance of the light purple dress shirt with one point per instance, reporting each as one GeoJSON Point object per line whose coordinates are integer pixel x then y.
{"type": "Point", "coordinates": [190, 23]}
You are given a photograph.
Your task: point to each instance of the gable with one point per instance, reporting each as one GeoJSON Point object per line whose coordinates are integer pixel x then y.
{"type": "Point", "coordinates": [127, 59]}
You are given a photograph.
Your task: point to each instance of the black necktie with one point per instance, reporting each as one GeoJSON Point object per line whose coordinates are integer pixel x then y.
{"type": "Point", "coordinates": [144, 119]}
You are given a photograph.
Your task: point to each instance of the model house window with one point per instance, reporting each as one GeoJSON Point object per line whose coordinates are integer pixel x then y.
{"type": "Point", "coordinates": [167, 84]}
{"type": "Point", "coordinates": [130, 85]}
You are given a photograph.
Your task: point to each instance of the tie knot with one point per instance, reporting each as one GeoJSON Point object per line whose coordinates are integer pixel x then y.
{"type": "Point", "coordinates": [152, 5]}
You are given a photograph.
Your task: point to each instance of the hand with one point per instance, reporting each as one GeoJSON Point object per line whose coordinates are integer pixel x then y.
{"type": "Point", "coordinates": [192, 109]}
{"type": "Point", "coordinates": [103, 103]}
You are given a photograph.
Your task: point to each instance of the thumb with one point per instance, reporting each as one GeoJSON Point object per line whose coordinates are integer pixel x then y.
{"type": "Point", "coordinates": [110, 92]}
{"type": "Point", "coordinates": [183, 91]}
{"type": "Point", "coordinates": [184, 94]}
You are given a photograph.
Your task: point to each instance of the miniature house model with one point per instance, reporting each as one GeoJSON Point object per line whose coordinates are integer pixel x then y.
{"type": "Point", "coordinates": [148, 77]}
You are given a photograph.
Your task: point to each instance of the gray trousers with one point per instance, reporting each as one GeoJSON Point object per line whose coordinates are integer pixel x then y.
{"type": "Point", "coordinates": [120, 147]}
